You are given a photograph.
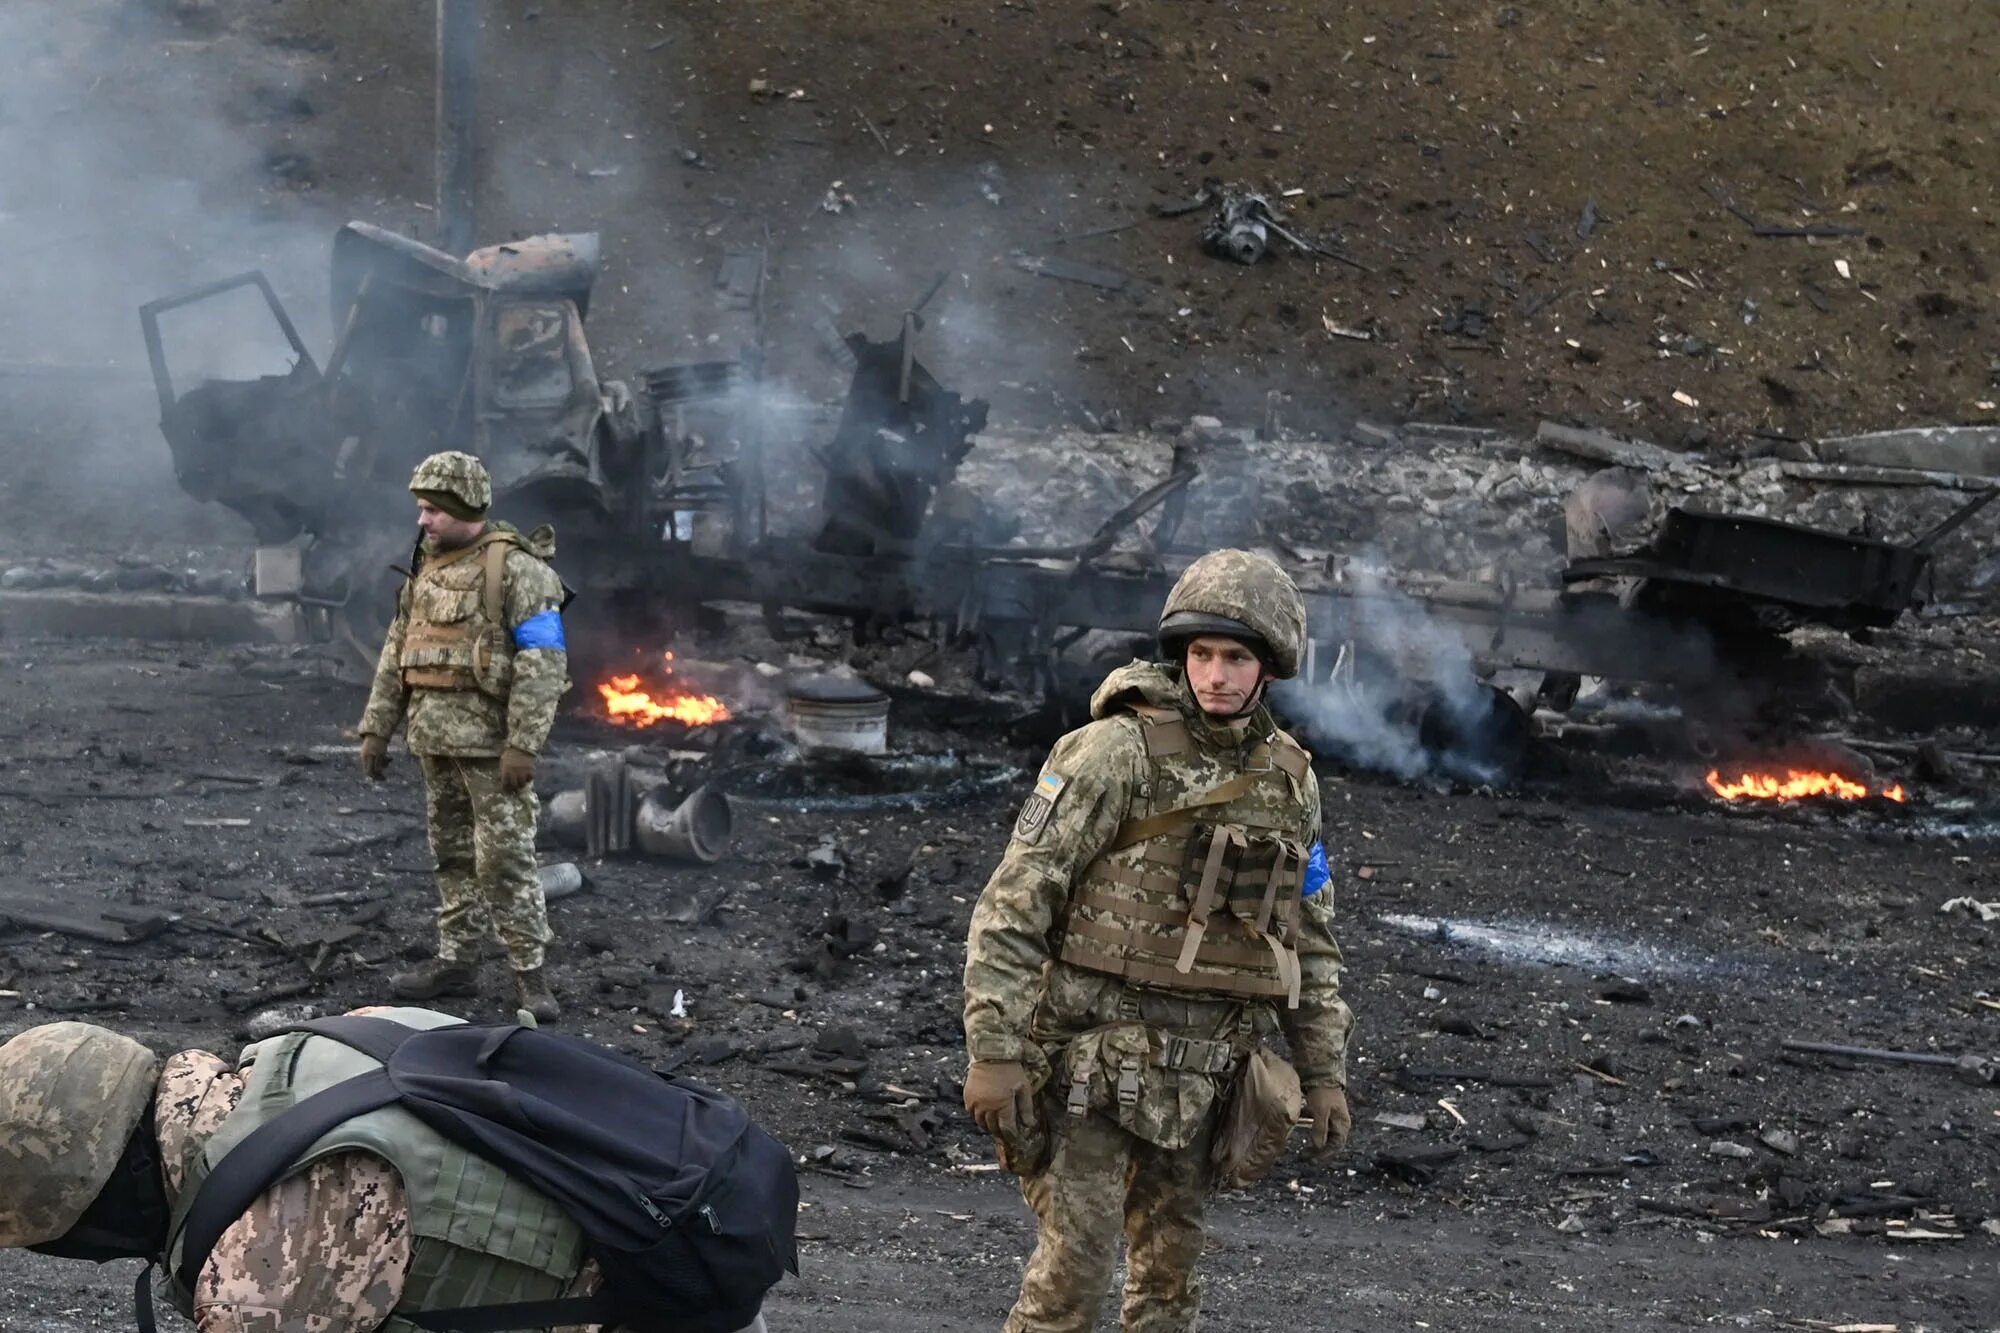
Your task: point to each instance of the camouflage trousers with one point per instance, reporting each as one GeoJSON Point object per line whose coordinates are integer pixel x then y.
{"type": "Point", "coordinates": [1102, 1180]}
{"type": "Point", "coordinates": [483, 839]}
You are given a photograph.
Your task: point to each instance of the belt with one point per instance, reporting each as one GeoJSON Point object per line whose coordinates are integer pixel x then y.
{"type": "Point", "coordinates": [1202, 1056]}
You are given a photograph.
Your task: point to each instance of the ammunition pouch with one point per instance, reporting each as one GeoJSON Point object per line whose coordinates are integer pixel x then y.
{"type": "Point", "coordinates": [1138, 1077]}
{"type": "Point", "coordinates": [1264, 1105]}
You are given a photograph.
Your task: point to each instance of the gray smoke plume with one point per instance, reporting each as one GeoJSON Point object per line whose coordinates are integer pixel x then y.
{"type": "Point", "coordinates": [1398, 665]}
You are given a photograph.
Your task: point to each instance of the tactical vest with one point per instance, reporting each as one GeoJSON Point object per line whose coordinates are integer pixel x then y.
{"type": "Point", "coordinates": [456, 635]}
{"type": "Point", "coordinates": [478, 1236]}
{"type": "Point", "coordinates": [1200, 891]}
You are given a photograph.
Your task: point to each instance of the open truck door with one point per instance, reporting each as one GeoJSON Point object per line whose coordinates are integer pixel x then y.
{"type": "Point", "coordinates": [230, 437]}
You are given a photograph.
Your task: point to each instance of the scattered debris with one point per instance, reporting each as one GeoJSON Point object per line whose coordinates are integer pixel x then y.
{"type": "Point", "coordinates": [1970, 1068]}
{"type": "Point", "coordinates": [1599, 447]}
{"type": "Point", "coordinates": [1243, 223]}
{"type": "Point", "coordinates": [1819, 230]}
{"type": "Point", "coordinates": [1972, 906]}
{"type": "Point", "coordinates": [561, 880]}
{"type": "Point", "coordinates": [108, 923]}
{"type": "Point", "coordinates": [1069, 270]}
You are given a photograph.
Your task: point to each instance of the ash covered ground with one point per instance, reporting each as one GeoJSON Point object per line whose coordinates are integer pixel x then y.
{"type": "Point", "coordinates": [1572, 1107]}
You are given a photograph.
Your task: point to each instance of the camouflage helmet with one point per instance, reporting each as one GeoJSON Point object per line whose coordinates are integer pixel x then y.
{"type": "Point", "coordinates": [70, 1096]}
{"type": "Point", "coordinates": [455, 482]}
{"type": "Point", "coordinates": [1238, 595]}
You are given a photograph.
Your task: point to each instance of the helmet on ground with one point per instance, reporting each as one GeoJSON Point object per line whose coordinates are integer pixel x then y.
{"type": "Point", "coordinates": [455, 482]}
{"type": "Point", "coordinates": [1237, 595]}
{"type": "Point", "coordinates": [70, 1096]}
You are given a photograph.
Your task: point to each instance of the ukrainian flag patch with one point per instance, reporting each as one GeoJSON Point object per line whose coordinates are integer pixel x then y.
{"type": "Point", "coordinates": [1040, 804]}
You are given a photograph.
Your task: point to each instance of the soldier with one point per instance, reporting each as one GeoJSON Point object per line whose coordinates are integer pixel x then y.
{"type": "Point", "coordinates": [475, 659]}
{"type": "Point", "coordinates": [101, 1144]}
{"type": "Point", "coordinates": [1161, 907]}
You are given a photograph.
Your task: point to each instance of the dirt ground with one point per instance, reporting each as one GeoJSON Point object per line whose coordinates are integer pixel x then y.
{"type": "Point", "coordinates": [1571, 1084]}
{"type": "Point", "coordinates": [1571, 997]}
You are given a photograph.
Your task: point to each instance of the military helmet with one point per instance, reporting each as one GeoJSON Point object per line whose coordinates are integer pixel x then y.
{"type": "Point", "coordinates": [455, 482]}
{"type": "Point", "coordinates": [70, 1096]}
{"type": "Point", "coordinates": [1238, 595]}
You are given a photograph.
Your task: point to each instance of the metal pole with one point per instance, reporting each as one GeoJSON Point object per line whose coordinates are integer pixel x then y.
{"type": "Point", "coordinates": [457, 145]}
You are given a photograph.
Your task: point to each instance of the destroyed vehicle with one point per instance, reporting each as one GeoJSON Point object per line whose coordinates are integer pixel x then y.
{"type": "Point", "coordinates": [486, 353]}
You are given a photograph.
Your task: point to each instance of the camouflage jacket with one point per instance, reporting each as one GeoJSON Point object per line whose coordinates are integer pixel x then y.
{"type": "Point", "coordinates": [1019, 997]}
{"type": "Point", "coordinates": [470, 723]}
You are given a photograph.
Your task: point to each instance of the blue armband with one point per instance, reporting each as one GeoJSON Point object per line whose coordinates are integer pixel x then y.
{"type": "Point", "coordinates": [541, 631]}
{"type": "Point", "coordinates": [1318, 873]}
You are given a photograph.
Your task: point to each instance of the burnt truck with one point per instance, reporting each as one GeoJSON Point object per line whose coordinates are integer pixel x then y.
{"type": "Point", "coordinates": [488, 354]}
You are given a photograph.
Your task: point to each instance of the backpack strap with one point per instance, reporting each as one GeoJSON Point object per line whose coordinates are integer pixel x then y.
{"type": "Point", "coordinates": [376, 1038]}
{"type": "Point", "coordinates": [494, 581]}
{"type": "Point", "coordinates": [252, 1166]}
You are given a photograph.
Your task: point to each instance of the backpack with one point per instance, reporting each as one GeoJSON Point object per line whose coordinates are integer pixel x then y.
{"type": "Point", "coordinates": [688, 1208]}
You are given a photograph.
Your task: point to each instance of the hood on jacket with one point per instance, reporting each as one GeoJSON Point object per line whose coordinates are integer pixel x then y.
{"type": "Point", "coordinates": [1164, 685]}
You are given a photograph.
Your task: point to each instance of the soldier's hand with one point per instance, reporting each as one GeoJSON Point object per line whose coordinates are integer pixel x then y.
{"type": "Point", "coordinates": [517, 768]}
{"type": "Point", "coordinates": [1331, 1120]}
{"type": "Point", "coordinates": [374, 756]}
{"type": "Point", "coordinates": [997, 1095]}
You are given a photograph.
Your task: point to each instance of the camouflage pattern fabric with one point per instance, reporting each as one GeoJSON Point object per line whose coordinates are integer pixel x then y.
{"type": "Point", "coordinates": [455, 482]}
{"type": "Point", "coordinates": [483, 839]}
{"type": "Point", "coordinates": [324, 1251]}
{"type": "Point", "coordinates": [1102, 770]}
{"type": "Point", "coordinates": [70, 1096]}
{"type": "Point", "coordinates": [1100, 1182]}
{"type": "Point", "coordinates": [1138, 1158]}
{"type": "Point", "coordinates": [1250, 588]}
{"type": "Point", "coordinates": [473, 722]}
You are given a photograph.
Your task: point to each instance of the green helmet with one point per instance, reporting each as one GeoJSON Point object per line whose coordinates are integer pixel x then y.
{"type": "Point", "coordinates": [70, 1096]}
{"type": "Point", "coordinates": [1238, 595]}
{"type": "Point", "coordinates": [455, 482]}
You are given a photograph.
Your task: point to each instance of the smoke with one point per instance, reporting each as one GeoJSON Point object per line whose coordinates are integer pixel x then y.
{"type": "Point", "coordinates": [125, 174]}
{"type": "Point", "coordinates": [1398, 667]}
{"type": "Point", "coordinates": [1405, 695]}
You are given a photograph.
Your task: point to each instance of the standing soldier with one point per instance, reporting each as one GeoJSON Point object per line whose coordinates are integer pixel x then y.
{"type": "Point", "coordinates": [1161, 908]}
{"type": "Point", "coordinates": [475, 659]}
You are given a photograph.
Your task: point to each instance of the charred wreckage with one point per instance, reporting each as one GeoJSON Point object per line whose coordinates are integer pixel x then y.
{"type": "Point", "coordinates": [660, 497]}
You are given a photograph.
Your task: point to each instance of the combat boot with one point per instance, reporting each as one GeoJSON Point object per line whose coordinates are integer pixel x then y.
{"type": "Point", "coordinates": [436, 979]}
{"type": "Point", "coordinates": [536, 997]}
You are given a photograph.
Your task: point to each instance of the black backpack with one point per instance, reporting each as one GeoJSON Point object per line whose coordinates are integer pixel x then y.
{"type": "Point", "coordinates": [690, 1210]}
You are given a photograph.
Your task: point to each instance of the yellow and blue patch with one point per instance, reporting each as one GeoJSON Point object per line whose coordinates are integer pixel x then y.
{"type": "Point", "coordinates": [1040, 804]}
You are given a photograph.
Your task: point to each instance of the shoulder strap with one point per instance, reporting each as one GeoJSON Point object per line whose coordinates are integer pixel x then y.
{"type": "Point", "coordinates": [494, 579]}
{"type": "Point", "coordinates": [1176, 820]}
{"type": "Point", "coordinates": [252, 1166]}
{"type": "Point", "coordinates": [1164, 730]}
{"type": "Point", "coordinates": [1290, 756]}
{"type": "Point", "coordinates": [376, 1038]}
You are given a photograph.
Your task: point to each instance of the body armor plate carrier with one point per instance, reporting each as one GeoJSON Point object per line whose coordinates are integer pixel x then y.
{"type": "Point", "coordinates": [456, 637]}
{"type": "Point", "coordinates": [1205, 895]}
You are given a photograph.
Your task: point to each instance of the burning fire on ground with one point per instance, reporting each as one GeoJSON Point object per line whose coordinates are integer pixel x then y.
{"type": "Point", "coordinates": [1797, 785]}
{"type": "Point", "coordinates": [630, 701]}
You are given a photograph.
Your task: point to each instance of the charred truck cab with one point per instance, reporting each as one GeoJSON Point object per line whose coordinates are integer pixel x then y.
{"type": "Point", "coordinates": [485, 353]}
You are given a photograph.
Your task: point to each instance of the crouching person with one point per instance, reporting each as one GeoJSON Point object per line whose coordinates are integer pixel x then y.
{"type": "Point", "coordinates": [376, 1222]}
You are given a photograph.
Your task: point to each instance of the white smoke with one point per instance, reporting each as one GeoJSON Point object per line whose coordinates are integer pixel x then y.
{"type": "Point", "coordinates": [1398, 665]}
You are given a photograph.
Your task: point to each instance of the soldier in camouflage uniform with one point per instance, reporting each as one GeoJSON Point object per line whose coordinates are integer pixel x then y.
{"type": "Point", "coordinates": [102, 1145]}
{"type": "Point", "coordinates": [475, 661]}
{"type": "Point", "coordinates": [1161, 907]}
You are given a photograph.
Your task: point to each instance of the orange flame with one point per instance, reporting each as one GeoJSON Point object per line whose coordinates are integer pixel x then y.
{"type": "Point", "coordinates": [1796, 785]}
{"type": "Point", "coordinates": [630, 706]}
